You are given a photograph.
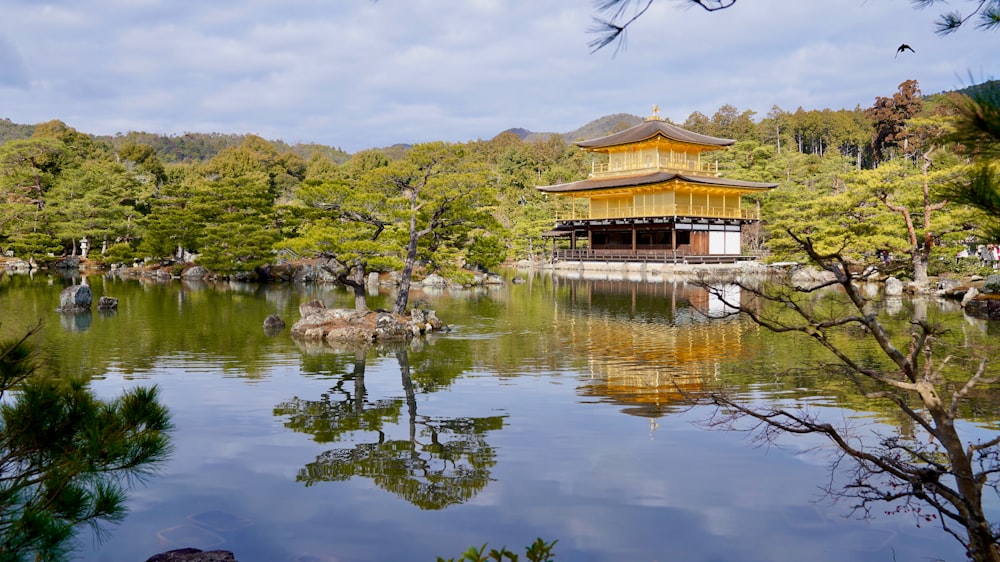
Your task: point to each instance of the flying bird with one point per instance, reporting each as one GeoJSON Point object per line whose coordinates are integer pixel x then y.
{"type": "Point", "coordinates": [904, 47]}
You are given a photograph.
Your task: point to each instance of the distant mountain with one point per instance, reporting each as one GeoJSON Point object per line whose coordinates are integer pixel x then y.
{"type": "Point", "coordinates": [521, 133]}
{"type": "Point", "coordinates": [12, 131]}
{"type": "Point", "coordinates": [202, 146]}
{"type": "Point", "coordinates": [988, 86]}
{"type": "Point", "coordinates": [597, 128]}
{"type": "Point", "coordinates": [603, 126]}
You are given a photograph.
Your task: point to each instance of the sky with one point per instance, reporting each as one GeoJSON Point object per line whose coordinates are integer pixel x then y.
{"type": "Point", "coordinates": [358, 74]}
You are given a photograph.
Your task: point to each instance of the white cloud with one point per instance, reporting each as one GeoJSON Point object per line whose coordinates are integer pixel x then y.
{"type": "Point", "coordinates": [360, 74]}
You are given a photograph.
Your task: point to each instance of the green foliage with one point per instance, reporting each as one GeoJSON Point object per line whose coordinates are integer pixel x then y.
{"type": "Point", "coordinates": [189, 147]}
{"type": "Point", "coordinates": [449, 467]}
{"type": "Point", "coordinates": [231, 220]}
{"type": "Point", "coordinates": [96, 200]}
{"type": "Point", "coordinates": [943, 261]}
{"type": "Point", "coordinates": [977, 131]}
{"type": "Point", "coordinates": [240, 197]}
{"type": "Point", "coordinates": [985, 12]}
{"type": "Point", "coordinates": [459, 276]}
{"type": "Point", "coordinates": [116, 253]}
{"type": "Point", "coordinates": [538, 551]}
{"type": "Point", "coordinates": [37, 245]}
{"type": "Point", "coordinates": [12, 131]}
{"type": "Point", "coordinates": [486, 252]}
{"type": "Point", "coordinates": [68, 457]}
{"type": "Point", "coordinates": [142, 161]}
{"type": "Point", "coordinates": [172, 221]}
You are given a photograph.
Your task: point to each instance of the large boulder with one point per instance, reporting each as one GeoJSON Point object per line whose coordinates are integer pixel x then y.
{"type": "Point", "coordinates": [76, 298]}
{"type": "Point", "coordinates": [893, 287]}
{"type": "Point", "coordinates": [70, 262]}
{"type": "Point", "coordinates": [992, 284]}
{"type": "Point", "coordinates": [425, 320]}
{"type": "Point", "coordinates": [809, 276]}
{"type": "Point", "coordinates": [434, 280]}
{"type": "Point", "coordinates": [948, 285]}
{"type": "Point", "coordinates": [969, 295]}
{"type": "Point", "coordinates": [196, 272]}
{"type": "Point", "coordinates": [984, 306]}
{"type": "Point", "coordinates": [342, 325]}
{"type": "Point", "coordinates": [319, 323]}
{"type": "Point", "coordinates": [389, 327]}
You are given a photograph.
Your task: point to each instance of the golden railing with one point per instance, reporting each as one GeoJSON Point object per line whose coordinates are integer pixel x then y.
{"type": "Point", "coordinates": [664, 163]}
{"type": "Point", "coordinates": [662, 210]}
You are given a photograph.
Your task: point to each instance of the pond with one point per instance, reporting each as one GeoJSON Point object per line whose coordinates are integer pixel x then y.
{"type": "Point", "coordinates": [555, 408]}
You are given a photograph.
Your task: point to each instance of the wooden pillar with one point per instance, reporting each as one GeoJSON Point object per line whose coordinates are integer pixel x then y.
{"type": "Point", "coordinates": [634, 239]}
{"type": "Point", "coordinates": [673, 241]}
{"type": "Point", "coordinates": [590, 241]}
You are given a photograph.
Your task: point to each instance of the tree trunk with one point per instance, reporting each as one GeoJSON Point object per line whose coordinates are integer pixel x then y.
{"type": "Point", "coordinates": [981, 540]}
{"type": "Point", "coordinates": [925, 251]}
{"type": "Point", "coordinates": [403, 297]}
{"type": "Point", "coordinates": [358, 284]}
{"type": "Point", "coordinates": [360, 359]}
{"type": "Point", "coordinates": [403, 357]}
{"type": "Point", "coordinates": [355, 279]}
{"type": "Point", "coordinates": [920, 267]}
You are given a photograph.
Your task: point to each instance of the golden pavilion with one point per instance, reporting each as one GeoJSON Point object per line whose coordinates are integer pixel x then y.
{"type": "Point", "coordinates": [654, 195]}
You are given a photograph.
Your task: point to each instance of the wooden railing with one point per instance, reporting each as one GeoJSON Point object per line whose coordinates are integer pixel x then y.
{"type": "Point", "coordinates": [678, 256]}
{"type": "Point", "coordinates": [669, 210]}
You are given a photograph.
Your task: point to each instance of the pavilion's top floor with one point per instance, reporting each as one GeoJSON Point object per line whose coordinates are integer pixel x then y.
{"type": "Point", "coordinates": [652, 146]}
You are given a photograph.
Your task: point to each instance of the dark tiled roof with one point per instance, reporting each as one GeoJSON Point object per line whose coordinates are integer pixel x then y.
{"type": "Point", "coordinates": [647, 179]}
{"type": "Point", "coordinates": [649, 129]}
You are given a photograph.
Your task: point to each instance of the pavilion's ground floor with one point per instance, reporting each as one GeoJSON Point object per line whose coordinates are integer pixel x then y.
{"type": "Point", "coordinates": [659, 240]}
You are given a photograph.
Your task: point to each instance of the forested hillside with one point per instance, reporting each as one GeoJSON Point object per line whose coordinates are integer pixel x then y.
{"type": "Point", "coordinates": [239, 201]}
{"type": "Point", "coordinates": [12, 131]}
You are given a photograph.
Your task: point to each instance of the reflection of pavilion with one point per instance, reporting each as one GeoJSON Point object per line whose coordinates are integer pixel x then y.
{"type": "Point", "coordinates": [646, 345]}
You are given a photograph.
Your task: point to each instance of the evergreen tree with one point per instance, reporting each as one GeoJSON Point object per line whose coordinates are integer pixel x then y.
{"type": "Point", "coordinates": [66, 457]}
{"type": "Point", "coordinates": [977, 131]}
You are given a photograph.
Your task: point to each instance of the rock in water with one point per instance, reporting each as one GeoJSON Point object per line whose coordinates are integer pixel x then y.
{"type": "Point", "coordinates": [273, 324]}
{"type": "Point", "coordinates": [193, 555]}
{"type": "Point", "coordinates": [76, 298]}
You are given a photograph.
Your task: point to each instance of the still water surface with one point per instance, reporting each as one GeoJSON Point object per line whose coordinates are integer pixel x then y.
{"type": "Point", "coordinates": [554, 409]}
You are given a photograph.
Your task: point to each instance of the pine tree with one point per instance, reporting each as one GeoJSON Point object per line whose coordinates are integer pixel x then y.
{"type": "Point", "coordinates": [67, 458]}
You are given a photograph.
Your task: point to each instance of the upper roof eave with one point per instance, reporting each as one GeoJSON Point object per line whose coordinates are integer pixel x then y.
{"type": "Point", "coordinates": [650, 129]}
{"type": "Point", "coordinates": [592, 184]}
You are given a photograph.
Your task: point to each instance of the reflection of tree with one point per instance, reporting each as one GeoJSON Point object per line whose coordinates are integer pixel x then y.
{"type": "Point", "coordinates": [441, 462]}
{"type": "Point", "coordinates": [340, 411]}
{"type": "Point", "coordinates": [937, 467]}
